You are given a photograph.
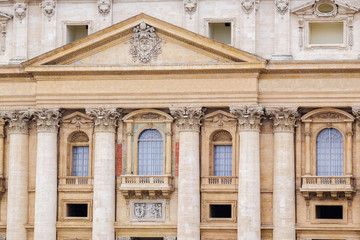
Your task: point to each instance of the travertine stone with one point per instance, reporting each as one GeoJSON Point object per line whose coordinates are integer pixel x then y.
{"type": "Point", "coordinates": [17, 207]}
{"type": "Point", "coordinates": [282, 31]}
{"type": "Point", "coordinates": [104, 14]}
{"type": "Point", "coordinates": [48, 25]}
{"type": "Point", "coordinates": [46, 174]}
{"type": "Point", "coordinates": [20, 31]}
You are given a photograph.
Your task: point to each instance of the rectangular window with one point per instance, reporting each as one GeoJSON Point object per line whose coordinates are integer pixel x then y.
{"type": "Point", "coordinates": [220, 211]}
{"type": "Point", "coordinates": [220, 32]}
{"type": "Point", "coordinates": [222, 160]}
{"type": "Point", "coordinates": [76, 210]}
{"type": "Point", "coordinates": [329, 212]}
{"type": "Point", "coordinates": [81, 161]}
{"type": "Point", "coordinates": [76, 32]}
{"type": "Point", "coordinates": [326, 33]}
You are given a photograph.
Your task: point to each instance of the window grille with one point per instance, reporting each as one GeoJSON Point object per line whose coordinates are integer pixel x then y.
{"type": "Point", "coordinates": [223, 160]}
{"type": "Point", "coordinates": [81, 161]}
{"type": "Point", "coordinates": [329, 153]}
{"type": "Point", "coordinates": [150, 153]}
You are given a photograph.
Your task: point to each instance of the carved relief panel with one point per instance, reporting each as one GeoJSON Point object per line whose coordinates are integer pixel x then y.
{"type": "Point", "coordinates": [147, 210]}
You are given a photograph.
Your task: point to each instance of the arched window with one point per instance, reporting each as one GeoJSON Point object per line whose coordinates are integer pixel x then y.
{"type": "Point", "coordinates": [222, 142]}
{"type": "Point", "coordinates": [329, 153]}
{"type": "Point", "coordinates": [150, 152]}
{"type": "Point", "coordinates": [80, 154]}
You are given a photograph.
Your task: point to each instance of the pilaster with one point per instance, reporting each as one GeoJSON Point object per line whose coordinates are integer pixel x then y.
{"type": "Point", "coordinates": [105, 11]}
{"type": "Point", "coordinates": [191, 15]}
{"type": "Point", "coordinates": [20, 31]}
{"type": "Point", "coordinates": [248, 20]}
{"type": "Point", "coordinates": [48, 25]}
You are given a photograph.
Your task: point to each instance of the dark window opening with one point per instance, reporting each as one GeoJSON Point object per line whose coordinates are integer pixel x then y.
{"type": "Point", "coordinates": [76, 32]}
{"type": "Point", "coordinates": [220, 211]}
{"type": "Point", "coordinates": [329, 212]}
{"type": "Point", "coordinates": [220, 32]}
{"type": "Point", "coordinates": [77, 210]}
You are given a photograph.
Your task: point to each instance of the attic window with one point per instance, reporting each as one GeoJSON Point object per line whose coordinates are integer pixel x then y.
{"type": "Point", "coordinates": [76, 32]}
{"type": "Point", "coordinates": [326, 33]}
{"type": "Point", "coordinates": [325, 8]}
{"type": "Point", "coordinates": [220, 32]}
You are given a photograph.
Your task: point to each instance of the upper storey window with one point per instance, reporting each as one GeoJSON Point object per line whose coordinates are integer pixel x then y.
{"type": "Point", "coordinates": [222, 143]}
{"type": "Point", "coordinates": [329, 147]}
{"type": "Point", "coordinates": [150, 152]}
{"type": "Point", "coordinates": [326, 33]}
{"type": "Point", "coordinates": [81, 161]}
{"type": "Point", "coordinates": [220, 32]}
{"type": "Point", "coordinates": [76, 32]}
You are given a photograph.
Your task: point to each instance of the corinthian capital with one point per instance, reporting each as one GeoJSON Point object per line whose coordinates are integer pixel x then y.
{"type": "Point", "coordinates": [187, 118]}
{"type": "Point", "coordinates": [356, 111]}
{"type": "Point", "coordinates": [284, 118]}
{"type": "Point", "coordinates": [249, 116]}
{"type": "Point", "coordinates": [104, 118]}
{"type": "Point", "coordinates": [47, 119]}
{"type": "Point", "coordinates": [18, 120]}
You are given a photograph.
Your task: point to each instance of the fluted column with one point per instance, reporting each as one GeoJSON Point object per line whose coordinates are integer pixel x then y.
{"type": "Point", "coordinates": [47, 121]}
{"type": "Point", "coordinates": [284, 174]}
{"type": "Point", "coordinates": [104, 172]}
{"type": "Point", "coordinates": [17, 202]}
{"type": "Point", "coordinates": [188, 121]}
{"type": "Point", "coordinates": [249, 218]}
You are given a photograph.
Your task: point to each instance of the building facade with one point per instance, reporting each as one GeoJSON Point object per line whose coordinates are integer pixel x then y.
{"type": "Point", "coordinates": [179, 119]}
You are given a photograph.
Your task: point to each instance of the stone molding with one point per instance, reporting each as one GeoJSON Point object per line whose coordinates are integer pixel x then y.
{"type": "Point", "coordinates": [249, 116]}
{"type": "Point", "coordinates": [48, 8]}
{"type": "Point", "coordinates": [105, 118]}
{"type": "Point", "coordinates": [282, 6]}
{"type": "Point", "coordinates": [190, 6]}
{"type": "Point", "coordinates": [169, 238]}
{"type": "Point", "coordinates": [187, 117]}
{"type": "Point", "coordinates": [284, 118]}
{"type": "Point", "coordinates": [18, 120]}
{"type": "Point", "coordinates": [20, 10]}
{"type": "Point", "coordinates": [123, 238]}
{"type": "Point", "coordinates": [47, 119]}
{"type": "Point", "coordinates": [104, 7]}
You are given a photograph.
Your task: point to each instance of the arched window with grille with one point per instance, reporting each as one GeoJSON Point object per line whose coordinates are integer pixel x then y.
{"type": "Point", "coordinates": [222, 143]}
{"type": "Point", "coordinates": [329, 153]}
{"type": "Point", "coordinates": [150, 152]}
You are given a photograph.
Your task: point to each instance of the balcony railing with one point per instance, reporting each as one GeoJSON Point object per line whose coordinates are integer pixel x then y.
{"type": "Point", "coordinates": [215, 183]}
{"type": "Point", "coordinates": [74, 182]}
{"type": "Point", "coordinates": [327, 184]}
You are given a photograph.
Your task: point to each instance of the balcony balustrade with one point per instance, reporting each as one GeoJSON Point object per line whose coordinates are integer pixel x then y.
{"type": "Point", "coordinates": [219, 184]}
{"type": "Point", "coordinates": [75, 183]}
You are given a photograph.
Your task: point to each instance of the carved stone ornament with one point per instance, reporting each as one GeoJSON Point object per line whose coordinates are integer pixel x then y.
{"type": "Point", "coordinates": [104, 7]}
{"type": "Point", "coordinates": [147, 210]}
{"type": "Point", "coordinates": [18, 120]}
{"type": "Point", "coordinates": [190, 6]}
{"type": "Point", "coordinates": [188, 118]}
{"type": "Point", "coordinates": [284, 118]}
{"type": "Point", "coordinates": [249, 116]}
{"type": "Point", "coordinates": [327, 13]}
{"type": "Point", "coordinates": [248, 5]}
{"type": "Point", "coordinates": [47, 120]}
{"type": "Point", "coordinates": [20, 10]}
{"type": "Point", "coordinates": [282, 6]}
{"type": "Point", "coordinates": [48, 8]}
{"type": "Point", "coordinates": [145, 44]}
{"type": "Point", "coordinates": [356, 111]}
{"type": "Point", "coordinates": [104, 118]}
{"type": "Point", "coordinates": [4, 18]}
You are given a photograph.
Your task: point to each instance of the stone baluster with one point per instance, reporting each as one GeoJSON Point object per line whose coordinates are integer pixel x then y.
{"type": "Point", "coordinates": [284, 173]}
{"type": "Point", "coordinates": [18, 175]}
{"type": "Point", "coordinates": [188, 121]}
{"type": "Point", "coordinates": [249, 218]}
{"type": "Point", "coordinates": [104, 172]}
{"type": "Point", "coordinates": [47, 121]}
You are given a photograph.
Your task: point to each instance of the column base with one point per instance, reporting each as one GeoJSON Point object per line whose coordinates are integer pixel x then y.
{"type": "Point", "coordinates": [276, 57]}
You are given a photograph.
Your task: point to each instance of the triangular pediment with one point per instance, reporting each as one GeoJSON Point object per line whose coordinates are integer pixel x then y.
{"type": "Point", "coordinates": [143, 41]}
{"type": "Point", "coordinates": [309, 7]}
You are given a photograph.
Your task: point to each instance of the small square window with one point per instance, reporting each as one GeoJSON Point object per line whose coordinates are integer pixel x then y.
{"type": "Point", "coordinates": [220, 211]}
{"type": "Point", "coordinates": [220, 32]}
{"type": "Point", "coordinates": [76, 32]}
{"type": "Point", "coordinates": [77, 210]}
{"type": "Point", "coordinates": [329, 212]}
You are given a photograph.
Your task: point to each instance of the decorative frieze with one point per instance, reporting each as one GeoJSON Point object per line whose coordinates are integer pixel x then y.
{"type": "Point", "coordinates": [47, 120]}
{"type": "Point", "coordinates": [20, 10]}
{"type": "Point", "coordinates": [147, 210]}
{"type": "Point", "coordinates": [187, 118]}
{"type": "Point", "coordinates": [282, 6]}
{"type": "Point", "coordinates": [249, 116]}
{"type": "Point", "coordinates": [48, 8]}
{"type": "Point", "coordinates": [104, 7]}
{"type": "Point", "coordinates": [104, 118]}
{"type": "Point", "coordinates": [18, 120]}
{"type": "Point", "coordinates": [284, 118]}
{"type": "Point", "coordinates": [190, 6]}
{"type": "Point", "coordinates": [145, 44]}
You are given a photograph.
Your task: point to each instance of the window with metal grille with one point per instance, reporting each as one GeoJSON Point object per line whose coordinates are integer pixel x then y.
{"type": "Point", "coordinates": [81, 161]}
{"type": "Point", "coordinates": [150, 152]}
{"type": "Point", "coordinates": [222, 160]}
{"type": "Point", "coordinates": [329, 153]}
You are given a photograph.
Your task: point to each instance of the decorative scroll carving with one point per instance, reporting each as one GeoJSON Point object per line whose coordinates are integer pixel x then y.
{"type": "Point", "coordinates": [190, 6]}
{"type": "Point", "coordinates": [284, 118]}
{"type": "Point", "coordinates": [145, 44]}
{"type": "Point", "coordinates": [48, 8]}
{"type": "Point", "coordinates": [147, 210]}
{"type": "Point", "coordinates": [249, 116]}
{"type": "Point", "coordinates": [104, 118]}
{"type": "Point", "coordinates": [78, 136]}
{"type": "Point", "coordinates": [47, 120]}
{"type": "Point", "coordinates": [188, 118]}
{"type": "Point", "coordinates": [104, 7]}
{"type": "Point", "coordinates": [356, 111]}
{"type": "Point", "coordinates": [222, 136]}
{"type": "Point", "coordinates": [282, 6]}
{"type": "Point", "coordinates": [328, 115]}
{"type": "Point", "coordinates": [18, 120]}
{"type": "Point", "coordinates": [20, 10]}
{"type": "Point", "coordinates": [249, 5]}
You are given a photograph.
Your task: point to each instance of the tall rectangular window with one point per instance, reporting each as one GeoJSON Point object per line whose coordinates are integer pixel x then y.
{"type": "Point", "coordinates": [223, 160]}
{"type": "Point", "coordinates": [81, 161]}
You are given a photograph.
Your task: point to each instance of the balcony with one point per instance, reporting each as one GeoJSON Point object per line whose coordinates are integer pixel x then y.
{"type": "Point", "coordinates": [75, 183]}
{"type": "Point", "coordinates": [149, 185]}
{"type": "Point", "coordinates": [321, 186]}
{"type": "Point", "coordinates": [219, 184]}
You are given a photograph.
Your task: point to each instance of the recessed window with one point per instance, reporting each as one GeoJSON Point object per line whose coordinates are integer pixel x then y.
{"type": "Point", "coordinates": [150, 152]}
{"type": "Point", "coordinates": [76, 32]}
{"type": "Point", "coordinates": [220, 32]}
{"type": "Point", "coordinates": [77, 210]}
{"type": "Point", "coordinates": [326, 33]}
{"type": "Point", "coordinates": [81, 161]}
{"type": "Point", "coordinates": [325, 8]}
{"type": "Point", "coordinates": [329, 212]}
{"type": "Point", "coordinates": [220, 211]}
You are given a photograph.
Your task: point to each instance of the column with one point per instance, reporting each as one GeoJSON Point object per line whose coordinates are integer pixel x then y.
{"type": "Point", "coordinates": [248, 21]}
{"type": "Point", "coordinates": [20, 29]}
{"type": "Point", "coordinates": [2, 148]}
{"type": "Point", "coordinates": [188, 122]}
{"type": "Point", "coordinates": [104, 14]}
{"type": "Point", "coordinates": [47, 121]}
{"type": "Point", "coordinates": [48, 25]}
{"type": "Point", "coordinates": [191, 15]}
{"type": "Point", "coordinates": [249, 217]}
{"type": "Point", "coordinates": [104, 172]}
{"type": "Point", "coordinates": [17, 203]}
{"type": "Point", "coordinates": [284, 171]}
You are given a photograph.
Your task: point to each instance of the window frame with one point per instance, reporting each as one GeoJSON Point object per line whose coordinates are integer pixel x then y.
{"type": "Point", "coordinates": [206, 212]}
{"type": "Point", "coordinates": [232, 21]}
{"type": "Point", "coordinates": [89, 23]}
{"type": "Point", "coordinates": [78, 144]}
{"type": "Point", "coordinates": [212, 156]}
{"type": "Point", "coordinates": [63, 213]}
